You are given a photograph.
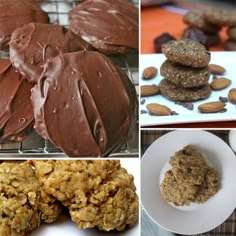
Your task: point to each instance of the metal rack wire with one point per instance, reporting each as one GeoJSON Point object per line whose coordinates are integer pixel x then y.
{"type": "Point", "coordinates": [34, 145]}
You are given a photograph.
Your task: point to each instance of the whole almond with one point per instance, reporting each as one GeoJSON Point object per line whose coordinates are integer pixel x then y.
{"type": "Point", "coordinates": [220, 83]}
{"type": "Point", "coordinates": [232, 95]}
{"type": "Point", "coordinates": [149, 72]}
{"type": "Point", "coordinates": [149, 90]}
{"type": "Point", "coordinates": [211, 107]}
{"type": "Point", "coordinates": [216, 69]}
{"type": "Point", "coordinates": [158, 109]}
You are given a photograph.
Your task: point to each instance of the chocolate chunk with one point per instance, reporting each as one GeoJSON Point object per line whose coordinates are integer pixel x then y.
{"type": "Point", "coordinates": [223, 99]}
{"type": "Point", "coordinates": [84, 111]}
{"type": "Point", "coordinates": [15, 14]}
{"type": "Point", "coordinates": [143, 112]}
{"type": "Point", "coordinates": [16, 113]}
{"type": "Point", "coordinates": [32, 44]}
{"type": "Point", "coordinates": [109, 26]}
{"type": "Point", "coordinates": [143, 101]}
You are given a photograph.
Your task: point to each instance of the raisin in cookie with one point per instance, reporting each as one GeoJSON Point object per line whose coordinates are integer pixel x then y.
{"type": "Point", "coordinates": [185, 76]}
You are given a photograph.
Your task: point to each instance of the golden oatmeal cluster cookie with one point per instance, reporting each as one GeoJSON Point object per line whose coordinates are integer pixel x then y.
{"type": "Point", "coordinates": [23, 205]}
{"type": "Point", "coordinates": [190, 179]}
{"type": "Point", "coordinates": [97, 193]}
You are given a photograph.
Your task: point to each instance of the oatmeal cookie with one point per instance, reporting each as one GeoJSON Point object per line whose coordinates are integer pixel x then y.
{"type": "Point", "coordinates": [186, 52]}
{"type": "Point", "coordinates": [230, 45]}
{"type": "Point", "coordinates": [97, 193]}
{"type": "Point", "coordinates": [177, 93]}
{"type": "Point", "coordinates": [221, 17]}
{"type": "Point", "coordinates": [185, 76]}
{"type": "Point", "coordinates": [231, 31]}
{"type": "Point", "coordinates": [23, 206]}
{"type": "Point", "coordinates": [196, 19]}
{"type": "Point", "coordinates": [178, 194]}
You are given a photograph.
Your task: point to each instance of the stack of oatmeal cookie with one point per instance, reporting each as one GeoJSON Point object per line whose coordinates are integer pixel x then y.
{"type": "Point", "coordinates": [185, 71]}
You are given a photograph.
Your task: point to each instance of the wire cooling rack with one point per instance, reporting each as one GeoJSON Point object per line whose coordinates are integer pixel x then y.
{"type": "Point", "coordinates": [34, 145]}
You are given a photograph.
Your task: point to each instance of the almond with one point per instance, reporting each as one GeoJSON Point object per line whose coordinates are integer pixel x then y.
{"type": "Point", "coordinates": [220, 83]}
{"type": "Point", "coordinates": [232, 95]}
{"type": "Point", "coordinates": [158, 109]}
{"type": "Point", "coordinates": [149, 90]}
{"type": "Point", "coordinates": [211, 107]}
{"type": "Point", "coordinates": [216, 69]}
{"type": "Point", "coordinates": [149, 72]}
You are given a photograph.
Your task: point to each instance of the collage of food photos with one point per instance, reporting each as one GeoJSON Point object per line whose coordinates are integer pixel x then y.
{"type": "Point", "coordinates": [117, 118]}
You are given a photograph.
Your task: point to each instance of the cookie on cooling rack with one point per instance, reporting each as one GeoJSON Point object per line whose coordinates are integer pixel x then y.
{"type": "Point", "coordinates": [14, 14]}
{"type": "Point", "coordinates": [186, 52]}
{"type": "Point", "coordinates": [32, 44]}
{"type": "Point", "coordinates": [16, 112]}
{"type": "Point", "coordinates": [185, 76]}
{"type": "Point", "coordinates": [109, 26]}
{"type": "Point", "coordinates": [177, 93]}
{"type": "Point", "coordinates": [84, 111]}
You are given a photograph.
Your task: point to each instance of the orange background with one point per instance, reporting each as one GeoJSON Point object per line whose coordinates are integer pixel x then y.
{"type": "Point", "coordinates": [157, 20]}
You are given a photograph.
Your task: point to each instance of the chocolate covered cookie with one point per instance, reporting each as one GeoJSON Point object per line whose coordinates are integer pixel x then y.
{"type": "Point", "coordinates": [32, 44]}
{"type": "Point", "coordinates": [196, 19]}
{"type": "Point", "coordinates": [15, 14]}
{"type": "Point", "coordinates": [84, 111]}
{"type": "Point", "coordinates": [109, 26]}
{"type": "Point", "coordinates": [186, 52]}
{"type": "Point", "coordinates": [221, 17]}
{"type": "Point", "coordinates": [177, 93]}
{"type": "Point", "coordinates": [185, 76]}
{"type": "Point", "coordinates": [16, 112]}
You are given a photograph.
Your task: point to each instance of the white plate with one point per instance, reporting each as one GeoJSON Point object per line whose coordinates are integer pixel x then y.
{"type": "Point", "coordinates": [64, 226]}
{"type": "Point", "coordinates": [225, 59]}
{"type": "Point", "coordinates": [197, 218]}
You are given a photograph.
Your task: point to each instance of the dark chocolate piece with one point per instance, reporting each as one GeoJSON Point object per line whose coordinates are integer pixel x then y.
{"type": "Point", "coordinates": [16, 112]}
{"type": "Point", "coordinates": [16, 14]}
{"type": "Point", "coordinates": [32, 44]}
{"type": "Point", "coordinates": [109, 26]}
{"type": "Point", "coordinates": [84, 104]}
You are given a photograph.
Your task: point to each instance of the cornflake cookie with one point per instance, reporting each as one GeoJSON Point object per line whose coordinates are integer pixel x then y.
{"type": "Point", "coordinates": [177, 93]}
{"type": "Point", "coordinates": [23, 206]}
{"type": "Point", "coordinates": [186, 52]}
{"type": "Point", "coordinates": [97, 193]}
{"type": "Point", "coordinates": [221, 17]}
{"type": "Point", "coordinates": [190, 179]}
{"type": "Point", "coordinates": [185, 76]}
{"type": "Point", "coordinates": [196, 19]}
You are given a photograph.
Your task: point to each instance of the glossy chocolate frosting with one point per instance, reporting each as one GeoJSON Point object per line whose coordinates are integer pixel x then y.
{"type": "Point", "coordinates": [16, 112]}
{"type": "Point", "coordinates": [84, 104]}
{"type": "Point", "coordinates": [109, 26]}
{"type": "Point", "coordinates": [15, 14]}
{"type": "Point", "coordinates": [32, 44]}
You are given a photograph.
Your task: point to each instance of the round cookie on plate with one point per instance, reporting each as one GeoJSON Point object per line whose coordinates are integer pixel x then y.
{"type": "Point", "coordinates": [15, 14]}
{"type": "Point", "coordinates": [109, 26]}
{"type": "Point", "coordinates": [17, 118]}
{"type": "Point", "coordinates": [176, 93]}
{"type": "Point", "coordinates": [84, 111]}
{"type": "Point", "coordinates": [186, 52]}
{"type": "Point", "coordinates": [185, 76]}
{"type": "Point", "coordinates": [32, 44]}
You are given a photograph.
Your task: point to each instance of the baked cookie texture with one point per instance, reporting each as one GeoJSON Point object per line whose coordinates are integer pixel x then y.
{"type": "Point", "coordinates": [196, 19]}
{"type": "Point", "coordinates": [186, 52]}
{"type": "Point", "coordinates": [177, 93]}
{"type": "Point", "coordinates": [23, 207]}
{"type": "Point", "coordinates": [97, 193]}
{"type": "Point", "coordinates": [190, 179]}
{"type": "Point", "coordinates": [185, 76]}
